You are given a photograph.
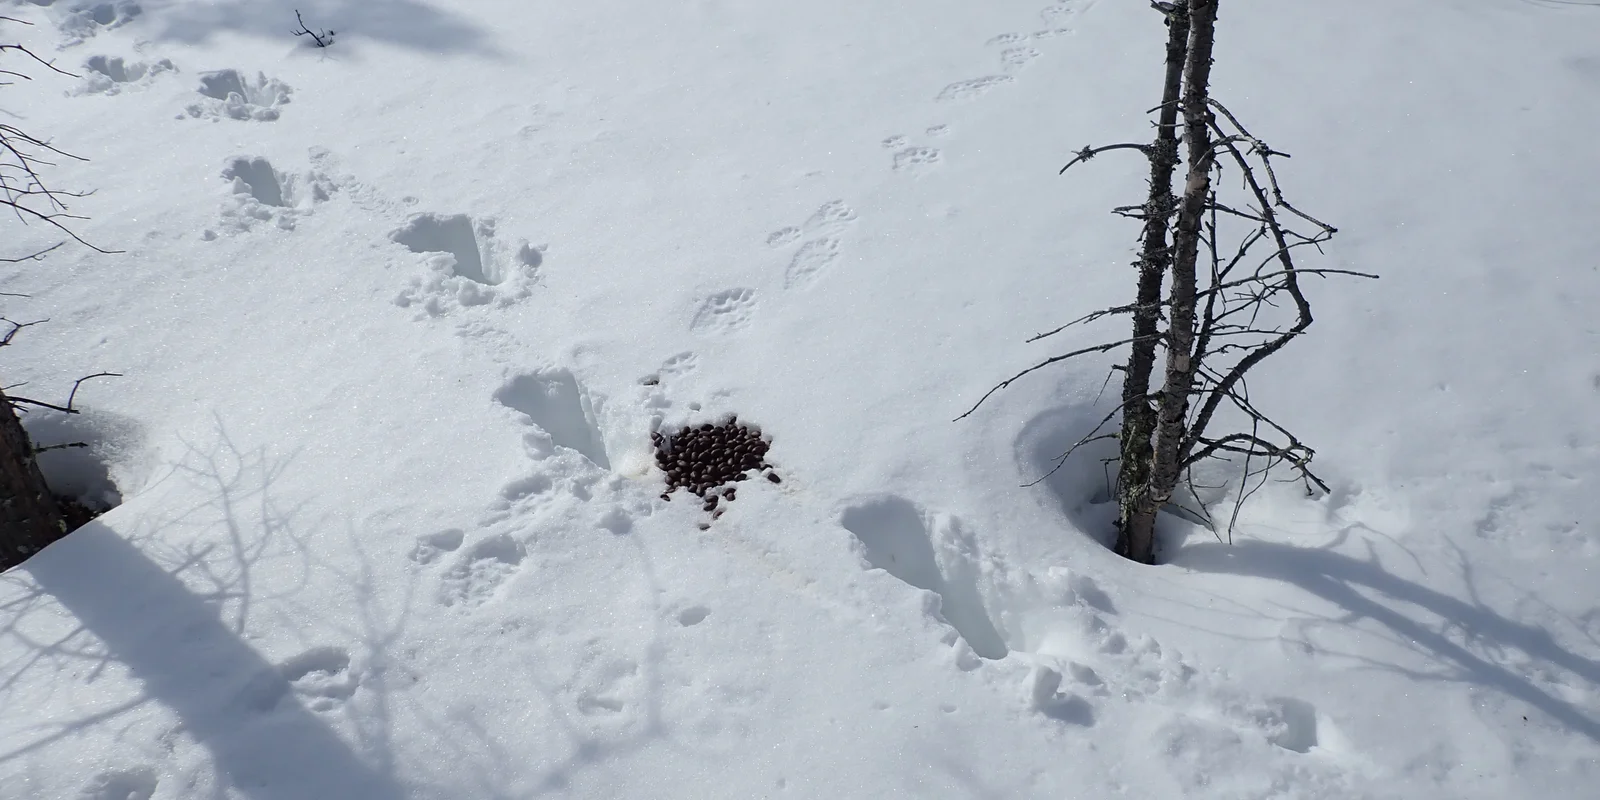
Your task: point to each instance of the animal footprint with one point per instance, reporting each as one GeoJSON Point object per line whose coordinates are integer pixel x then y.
{"type": "Point", "coordinates": [555, 402]}
{"type": "Point", "coordinates": [810, 260]}
{"type": "Point", "coordinates": [938, 130]}
{"type": "Point", "coordinates": [1052, 33]}
{"type": "Point", "coordinates": [914, 160]}
{"type": "Point", "coordinates": [1007, 38]}
{"type": "Point", "coordinates": [474, 579]}
{"type": "Point", "coordinates": [84, 22]}
{"type": "Point", "coordinates": [893, 142]}
{"type": "Point", "coordinates": [110, 75]}
{"type": "Point", "coordinates": [260, 193]}
{"type": "Point", "coordinates": [466, 263]}
{"type": "Point", "coordinates": [609, 688]}
{"type": "Point", "coordinates": [1015, 58]}
{"type": "Point", "coordinates": [783, 236]}
{"type": "Point", "coordinates": [830, 214]}
{"type": "Point", "coordinates": [431, 547]}
{"type": "Point", "coordinates": [227, 94]}
{"type": "Point", "coordinates": [970, 89]}
{"type": "Point", "coordinates": [321, 677]}
{"type": "Point", "coordinates": [930, 552]}
{"type": "Point", "coordinates": [725, 311]}
{"type": "Point", "coordinates": [138, 783]}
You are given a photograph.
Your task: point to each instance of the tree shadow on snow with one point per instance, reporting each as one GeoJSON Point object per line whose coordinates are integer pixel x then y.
{"type": "Point", "coordinates": [1464, 640]}
{"type": "Point", "coordinates": [173, 617]}
{"type": "Point", "coordinates": [412, 24]}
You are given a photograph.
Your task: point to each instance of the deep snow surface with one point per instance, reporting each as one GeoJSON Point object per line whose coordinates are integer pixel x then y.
{"type": "Point", "coordinates": [396, 318]}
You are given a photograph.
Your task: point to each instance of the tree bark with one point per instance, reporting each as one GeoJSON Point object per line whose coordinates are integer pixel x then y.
{"type": "Point", "coordinates": [30, 517]}
{"type": "Point", "coordinates": [1136, 530]}
{"type": "Point", "coordinates": [1172, 407]}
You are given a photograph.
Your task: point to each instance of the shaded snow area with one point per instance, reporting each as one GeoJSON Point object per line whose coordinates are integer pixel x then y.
{"type": "Point", "coordinates": [397, 318]}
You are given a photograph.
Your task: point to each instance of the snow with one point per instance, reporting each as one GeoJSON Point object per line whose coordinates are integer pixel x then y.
{"type": "Point", "coordinates": [396, 318]}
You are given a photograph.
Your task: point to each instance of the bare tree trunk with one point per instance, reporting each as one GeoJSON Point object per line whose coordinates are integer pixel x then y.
{"type": "Point", "coordinates": [1135, 530]}
{"type": "Point", "coordinates": [30, 518]}
{"type": "Point", "coordinates": [1140, 504]}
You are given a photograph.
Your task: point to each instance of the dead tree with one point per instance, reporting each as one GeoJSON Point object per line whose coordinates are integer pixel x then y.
{"type": "Point", "coordinates": [31, 516]}
{"type": "Point", "coordinates": [1215, 324]}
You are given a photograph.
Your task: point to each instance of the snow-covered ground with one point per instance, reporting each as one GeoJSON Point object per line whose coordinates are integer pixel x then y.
{"type": "Point", "coordinates": [398, 316]}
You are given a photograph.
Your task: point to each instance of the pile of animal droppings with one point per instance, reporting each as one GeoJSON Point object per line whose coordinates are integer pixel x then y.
{"type": "Point", "coordinates": [707, 457]}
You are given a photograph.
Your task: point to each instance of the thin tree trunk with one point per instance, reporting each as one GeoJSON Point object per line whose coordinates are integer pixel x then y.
{"type": "Point", "coordinates": [1136, 530]}
{"type": "Point", "coordinates": [30, 518]}
{"type": "Point", "coordinates": [1178, 383]}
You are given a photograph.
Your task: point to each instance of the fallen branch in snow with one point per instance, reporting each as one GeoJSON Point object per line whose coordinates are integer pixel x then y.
{"type": "Point", "coordinates": [322, 39]}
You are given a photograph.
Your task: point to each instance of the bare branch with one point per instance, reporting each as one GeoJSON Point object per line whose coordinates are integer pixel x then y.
{"type": "Point", "coordinates": [1099, 348]}
{"type": "Point", "coordinates": [1090, 152]}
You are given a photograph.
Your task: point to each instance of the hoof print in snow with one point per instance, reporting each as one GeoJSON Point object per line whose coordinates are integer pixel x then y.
{"type": "Point", "coordinates": [137, 783]}
{"type": "Point", "coordinates": [473, 579]}
{"type": "Point", "coordinates": [554, 402]}
{"type": "Point", "coordinates": [930, 552]}
{"type": "Point", "coordinates": [109, 75]}
{"type": "Point", "coordinates": [725, 312]}
{"type": "Point", "coordinates": [711, 460]}
{"type": "Point", "coordinates": [431, 547]}
{"type": "Point", "coordinates": [972, 89]}
{"type": "Point", "coordinates": [262, 194]}
{"type": "Point", "coordinates": [466, 264]}
{"type": "Point", "coordinates": [227, 94]}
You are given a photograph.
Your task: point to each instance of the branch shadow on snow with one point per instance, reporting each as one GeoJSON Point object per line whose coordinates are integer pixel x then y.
{"type": "Point", "coordinates": [170, 611]}
{"type": "Point", "coordinates": [413, 24]}
{"type": "Point", "coordinates": [1468, 641]}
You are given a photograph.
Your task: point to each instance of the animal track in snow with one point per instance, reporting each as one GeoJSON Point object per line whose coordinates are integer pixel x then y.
{"type": "Point", "coordinates": [938, 130]}
{"type": "Point", "coordinates": [554, 402]}
{"type": "Point", "coordinates": [693, 615]}
{"type": "Point", "coordinates": [1015, 58]}
{"type": "Point", "coordinates": [321, 677]}
{"type": "Point", "coordinates": [431, 547]}
{"type": "Point", "coordinates": [1052, 33]}
{"type": "Point", "coordinates": [109, 75]}
{"type": "Point", "coordinates": [810, 260]}
{"type": "Point", "coordinates": [825, 226]}
{"type": "Point", "coordinates": [473, 579]}
{"type": "Point", "coordinates": [466, 263]}
{"type": "Point", "coordinates": [137, 783]}
{"type": "Point", "coordinates": [930, 552]}
{"type": "Point", "coordinates": [83, 23]}
{"type": "Point", "coordinates": [893, 142]}
{"type": "Point", "coordinates": [1008, 39]}
{"type": "Point", "coordinates": [1064, 11]}
{"type": "Point", "coordinates": [229, 95]}
{"type": "Point", "coordinates": [783, 236]}
{"type": "Point", "coordinates": [260, 193]}
{"type": "Point", "coordinates": [916, 160]}
{"type": "Point", "coordinates": [724, 312]}
{"type": "Point", "coordinates": [830, 214]}
{"type": "Point", "coordinates": [970, 89]}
